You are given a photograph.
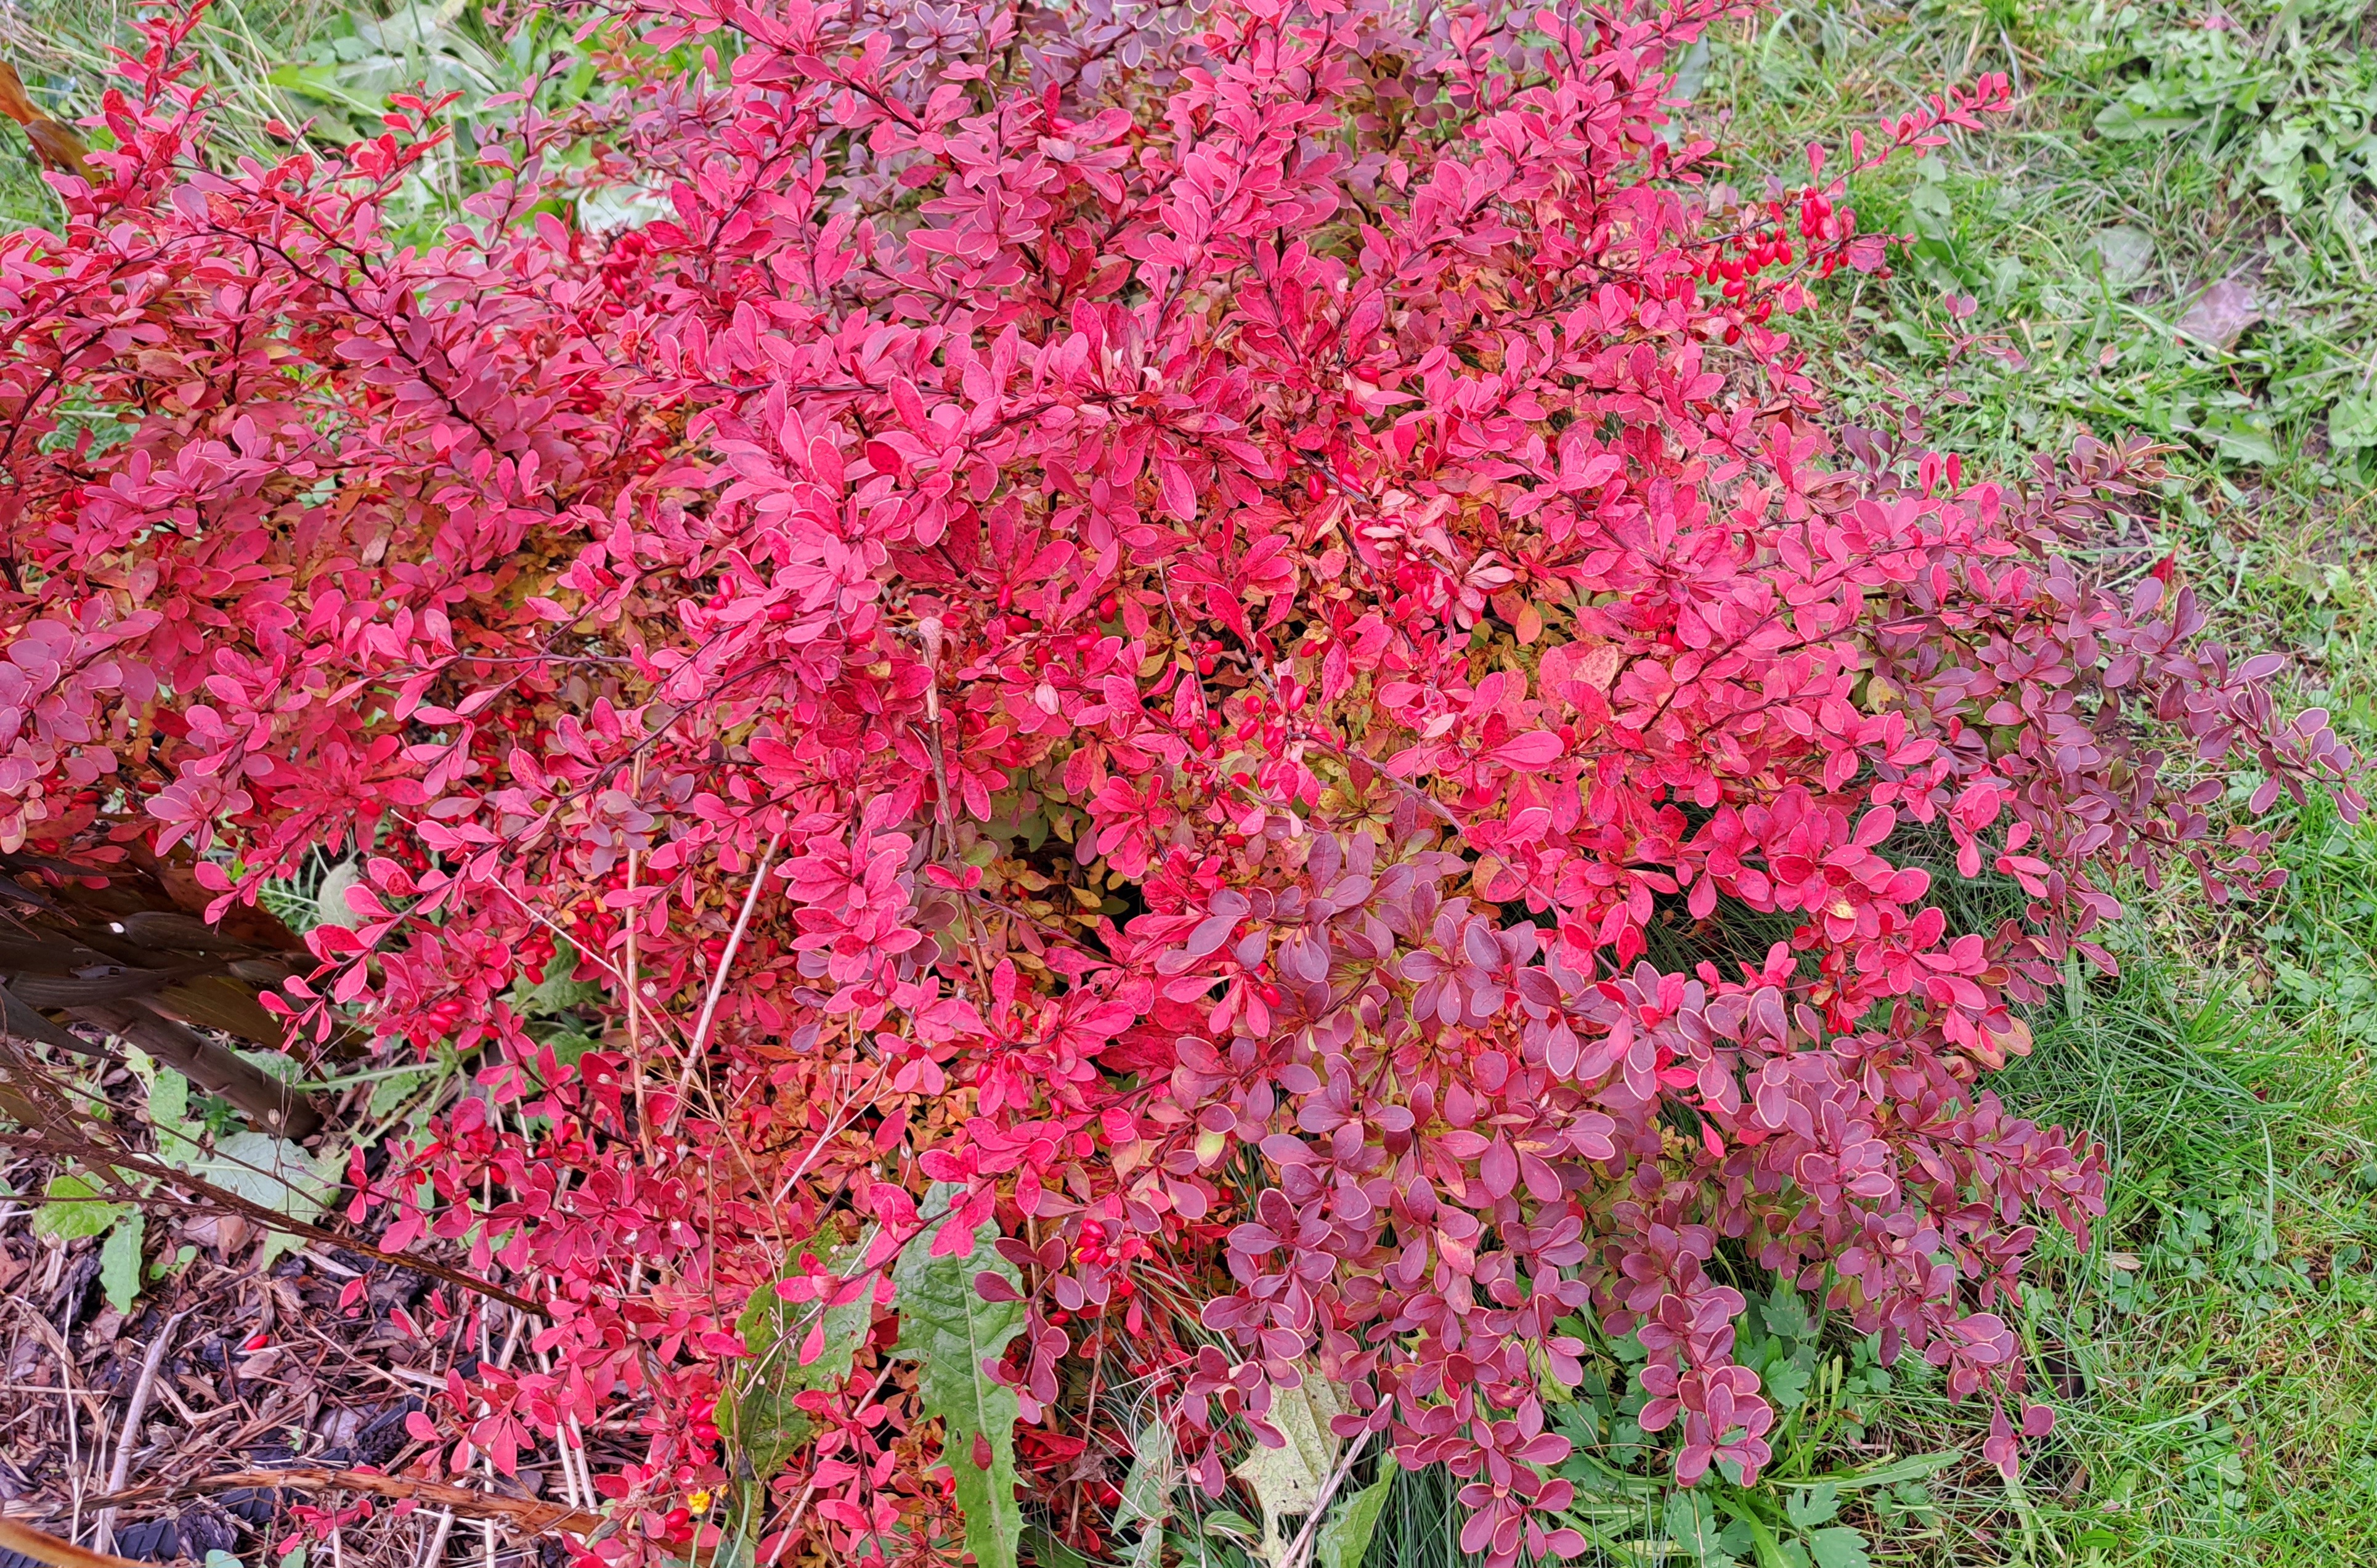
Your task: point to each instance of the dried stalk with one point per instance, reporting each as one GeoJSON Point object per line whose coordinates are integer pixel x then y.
{"type": "Point", "coordinates": [128, 1434]}
{"type": "Point", "coordinates": [433, 1551]}
{"type": "Point", "coordinates": [693, 1051]}
{"type": "Point", "coordinates": [27, 1542]}
{"type": "Point", "coordinates": [67, 1392]}
{"type": "Point", "coordinates": [537, 1519]}
{"type": "Point", "coordinates": [1297, 1547]}
{"type": "Point", "coordinates": [636, 977]}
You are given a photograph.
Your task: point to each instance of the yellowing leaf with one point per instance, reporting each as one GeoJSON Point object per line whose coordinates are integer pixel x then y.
{"type": "Point", "coordinates": [1287, 1479]}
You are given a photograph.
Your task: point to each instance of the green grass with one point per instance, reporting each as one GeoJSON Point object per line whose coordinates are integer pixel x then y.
{"type": "Point", "coordinates": [2213, 1358]}
{"type": "Point", "coordinates": [61, 50]}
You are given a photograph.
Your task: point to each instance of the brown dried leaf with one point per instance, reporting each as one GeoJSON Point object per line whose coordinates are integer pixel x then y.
{"type": "Point", "coordinates": [13, 100]}
{"type": "Point", "coordinates": [2221, 313]}
{"type": "Point", "coordinates": [58, 147]}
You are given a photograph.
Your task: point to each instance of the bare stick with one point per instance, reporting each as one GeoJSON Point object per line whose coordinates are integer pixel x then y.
{"type": "Point", "coordinates": [718, 983]}
{"type": "Point", "coordinates": [128, 1435]}
{"type": "Point", "coordinates": [581, 1490]}
{"type": "Point", "coordinates": [1296, 1550]}
{"type": "Point", "coordinates": [73, 1427]}
{"type": "Point", "coordinates": [784, 1534]}
{"type": "Point", "coordinates": [636, 978]}
{"type": "Point", "coordinates": [834, 1124]}
{"type": "Point", "coordinates": [434, 1550]}
{"type": "Point", "coordinates": [41, 1547]}
{"type": "Point", "coordinates": [519, 1512]}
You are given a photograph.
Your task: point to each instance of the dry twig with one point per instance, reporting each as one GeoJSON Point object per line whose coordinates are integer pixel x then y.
{"type": "Point", "coordinates": [537, 1519]}
{"type": "Point", "coordinates": [41, 1547]}
{"type": "Point", "coordinates": [127, 1436]}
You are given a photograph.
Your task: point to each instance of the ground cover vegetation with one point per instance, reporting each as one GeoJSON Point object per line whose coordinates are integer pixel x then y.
{"type": "Point", "coordinates": [1286, 784]}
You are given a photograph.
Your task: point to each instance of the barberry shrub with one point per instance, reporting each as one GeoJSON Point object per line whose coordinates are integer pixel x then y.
{"type": "Point", "coordinates": [1213, 664]}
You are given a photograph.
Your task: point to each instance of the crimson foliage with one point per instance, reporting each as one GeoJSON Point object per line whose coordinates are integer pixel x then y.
{"type": "Point", "coordinates": [1151, 614]}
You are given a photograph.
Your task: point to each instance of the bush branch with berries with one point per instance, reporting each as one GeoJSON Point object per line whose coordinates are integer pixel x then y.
{"type": "Point", "coordinates": [1218, 667]}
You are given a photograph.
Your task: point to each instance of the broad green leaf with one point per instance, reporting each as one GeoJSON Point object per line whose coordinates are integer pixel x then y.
{"type": "Point", "coordinates": [2242, 437]}
{"type": "Point", "coordinates": [1839, 1547]}
{"type": "Point", "coordinates": [1692, 1527]}
{"type": "Point", "coordinates": [556, 993]}
{"type": "Point", "coordinates": [119, 1262]}
{"type": "Point", "coordinates": [1808, 1509]}
{"type": "Point", "coordinates": [274, 1063]}
{"type": "Point", "coordinates": [2125, 121]}
{"type": "Point", "coordinates": [169, 1107]}
{"type": "Point", "coordinates": [2352, 424]}
{"type": "Point", "coordinates": [274, 1173]}
{"type": "Point", "coordinates": [756, 1414]}
{"type": "Point", "coordinates": [1933, 202]}
{"type": "Point", "coordinates": [75, 1209]}
{"type": "Point", "coordinates": [621, 206]}
{"type": "Point", "coordinates": [390, 1093]}
{"type": "Point", "coordinates": [330, 904]}
{"type": "Point", "coordinates": [1786, 1378]}
{"type": "Point", "coordinates": [1766, 1549]}
{"type": "Point", "coordinates": [1345, 1534]}
{"type": "Point", "coordinates": [2124, 255]}
{"type": "Point", "coordinates": [1785, 1312]}
{"type": "Point", "coordinates": [950, 1331]}
{"type": "Point", "coordinates": [169, 1116]}
{"type": "Point", "coordinates": [1047, 1552]}
{"type": "Point", "coordinates": [410, 27]}
{"type": "Point", "coordinates": [1692, 73]}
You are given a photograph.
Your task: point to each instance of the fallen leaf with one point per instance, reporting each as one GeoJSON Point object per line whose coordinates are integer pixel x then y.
{"type": "Point", "coordinates": [13, 101]}
{"type": "Point", "coordinates": [1287, 1481]}
{"type": "Point", "coordinates": [2221, 313]}
{"type": "Point", "coordinates": [231, 1233]}
{"type": "Point", "coordinates": [58, 148]}
{"type": "Point", "coordinates": [2124, 254]}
